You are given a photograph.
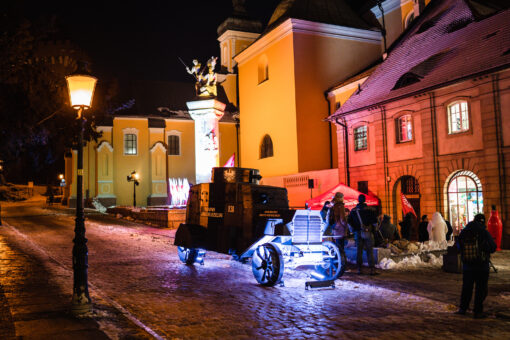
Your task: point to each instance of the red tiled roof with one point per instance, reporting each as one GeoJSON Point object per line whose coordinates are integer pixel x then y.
{"type": "Point", "coordinates": [445, 45]}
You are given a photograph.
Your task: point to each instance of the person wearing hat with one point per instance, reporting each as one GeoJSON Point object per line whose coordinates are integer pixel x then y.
{"type": "Point", "coordinates": [338, 222]}
{"type": "Point", "coordinates": [475, 267]}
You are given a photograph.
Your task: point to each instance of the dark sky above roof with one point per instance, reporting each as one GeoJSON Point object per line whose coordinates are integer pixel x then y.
{"type": "Point", "coordinates": [139, 39]}
{"type": "Point", "coordinates": [142, 39]}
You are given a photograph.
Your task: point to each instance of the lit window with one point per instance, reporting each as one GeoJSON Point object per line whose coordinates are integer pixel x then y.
{"type": "Point", "coordinates": [130, 144]}
{"type": "Point", "coordinates": [263, 69]}
{"type": "Point", "coordinates": [174, 145]}
{"type": "Point", "coordinates": [360, 138]}
{"type": "Point", "coordinates": [458, 120]}
{"type": "Point", "coordinates": [404, 129]}
{"type": "Point", "coordinates": [266, 148]}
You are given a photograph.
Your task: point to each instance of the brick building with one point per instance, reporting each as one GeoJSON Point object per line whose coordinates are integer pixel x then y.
{"type": "Point", "coordinates": [432, 121]}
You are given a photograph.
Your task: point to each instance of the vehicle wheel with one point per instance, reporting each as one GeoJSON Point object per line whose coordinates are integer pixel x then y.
{"type": "Point", "coordinates": [267, 264]}
{"type": "Point", "coordinates": [333, 265]}
{"type": "Point", "coordinates": [187, 255]}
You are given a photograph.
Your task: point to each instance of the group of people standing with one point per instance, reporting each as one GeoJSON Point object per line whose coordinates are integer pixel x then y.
{"type": "Point", "coordinates": [474, 242]}
{"type": "Point", "coordinates": [359, 221]}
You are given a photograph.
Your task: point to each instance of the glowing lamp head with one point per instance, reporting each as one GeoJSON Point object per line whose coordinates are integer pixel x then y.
{"type": "Point", "coordinates": [81, 87]}
{"type": "Point", "coordinates": [136, 176]}
{"type": "Point", "coordinates": [60, 177]}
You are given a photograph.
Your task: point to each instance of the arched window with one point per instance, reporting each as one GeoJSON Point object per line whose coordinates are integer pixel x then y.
{"type": "Point", "coordinates": [404, 129]}
{"type": "Point", "coordinates": [263, 69]}
{"type": "Point", "coordinates": [458, 117]}
{"type": "Point", "coordinates": [266, 148]}
{"type": "Point", "coordinates": [409, 18]}
{"type": "Point", "coordinates": [465, 198]}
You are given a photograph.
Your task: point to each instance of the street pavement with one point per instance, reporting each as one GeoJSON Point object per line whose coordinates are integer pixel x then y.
{"type": "Point", "coordinates": [141, 290]}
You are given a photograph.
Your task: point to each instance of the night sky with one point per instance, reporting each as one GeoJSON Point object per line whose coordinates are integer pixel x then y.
{"type": "Point", "coordinates": [140, 39]}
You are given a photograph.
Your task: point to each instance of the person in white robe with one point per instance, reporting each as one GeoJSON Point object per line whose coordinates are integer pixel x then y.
{"type": "Point", "coordinates": [437, 228]}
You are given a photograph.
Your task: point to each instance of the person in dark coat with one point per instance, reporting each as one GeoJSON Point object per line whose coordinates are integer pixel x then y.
{"type": "Point", "coordinates": [368, 218]}
{"type": "Point", "coordinates": [477, 273]}
{"type": "Point", "coordinates": [450, 230]}
{"type": "Point", "coordinates": [338, 223]}
{"type": "Point", "coordinates": [325, 212]}
{"type": "Point", "coordinates": [406, 225]}
{"type": "Point", "coordinates": [388, 230]}
{"type": "Point", "coordinates": [423, 234]}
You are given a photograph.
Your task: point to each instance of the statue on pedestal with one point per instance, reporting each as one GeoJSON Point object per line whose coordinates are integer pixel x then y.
{"type": "Point", "coordinates": [206, 84]}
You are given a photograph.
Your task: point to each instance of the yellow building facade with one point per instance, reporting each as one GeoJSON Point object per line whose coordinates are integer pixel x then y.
{"type": "Point", "coordinates": [305, 65]}
{"type": "Point", "coordinates": [280, 85]}
{"type": "Point", "coordinates": [157, 149]}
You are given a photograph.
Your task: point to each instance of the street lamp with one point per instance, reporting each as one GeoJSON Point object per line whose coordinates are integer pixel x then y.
{"type": "Point", "coordinates": [61, 183]}
{"type": "Point", "coordinates": [81, 90]}
{"type": "Point", "coordinates": [134, 178]}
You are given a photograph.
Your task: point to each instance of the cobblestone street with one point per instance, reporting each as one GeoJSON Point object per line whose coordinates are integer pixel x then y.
{"type": "Point", "coordinates": [139, 286]}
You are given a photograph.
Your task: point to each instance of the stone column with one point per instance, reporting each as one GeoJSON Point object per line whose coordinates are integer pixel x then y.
{"type": "Point", "coordinates": [206, 113]}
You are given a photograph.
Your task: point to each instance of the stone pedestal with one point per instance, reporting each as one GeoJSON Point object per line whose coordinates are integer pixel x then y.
{"type": "Point", "coordinates": [206, 113]}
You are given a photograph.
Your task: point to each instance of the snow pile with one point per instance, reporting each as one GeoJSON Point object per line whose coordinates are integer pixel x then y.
{"type": "Point", "coordinates": [406, 247]}
{"type": "Point", "coordinates": [412, 262]}
{"type": "Point", "coordinates": [13, 193]}
{"type": "Point", "coordinates": [99, 207]}
{"type": "Point", "coordinates": [386, 263]}
{"type": "Point", "coordinates": [435, 245]}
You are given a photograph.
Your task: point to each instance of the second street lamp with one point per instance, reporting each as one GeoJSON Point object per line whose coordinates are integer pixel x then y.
{"type": "Point", "coordinates": [81, 90]}
{"type": "Point", "coordinates": [133, 177]}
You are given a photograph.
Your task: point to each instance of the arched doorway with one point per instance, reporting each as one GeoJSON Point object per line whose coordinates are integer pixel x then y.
{"type": "Point", "coordinates": [464, 198]}
{"type": "Point", "coordinates": [409, 186]}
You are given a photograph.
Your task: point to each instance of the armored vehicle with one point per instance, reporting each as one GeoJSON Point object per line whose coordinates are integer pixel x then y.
{"type": "Point", "coordinates": [235, 215]}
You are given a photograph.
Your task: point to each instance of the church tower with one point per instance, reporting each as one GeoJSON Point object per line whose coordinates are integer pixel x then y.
{"type": "Point", "coordinates": [235, 34]}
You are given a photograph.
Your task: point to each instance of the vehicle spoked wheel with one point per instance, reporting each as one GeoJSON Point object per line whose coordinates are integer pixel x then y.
{"type": "Point", "coordinates": [267, 264]}
{"type": "Point", "coordinates": [333, 265]}
{"type": "Point", "coordinates": [187, 255]}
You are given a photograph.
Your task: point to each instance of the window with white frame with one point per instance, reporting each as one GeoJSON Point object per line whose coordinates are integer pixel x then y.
{"type": "Point", "coordinates": [361, 138]}
{"type": "Point", "coordinates": [458, 117]}
{"type": "Point", "coordinates": [404, 129]}
{"type": "Point", "coordinates": [130, 144]}
{"type": "Point", "coordinates": [174, 145]}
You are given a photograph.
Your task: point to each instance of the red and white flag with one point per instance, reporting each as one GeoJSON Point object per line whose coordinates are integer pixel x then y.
{"type": "Point", "coordinates": [231, 162]}
{"type": "Point", "coordinates": [406, 206]}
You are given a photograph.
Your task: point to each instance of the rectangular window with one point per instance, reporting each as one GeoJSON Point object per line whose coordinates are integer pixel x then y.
{"type": "Point", "coordinates": [173, 145]}
{"type": "Point", "coordinates": [360, 138]}
{"type": "Point", "coordinates": [458, 117]}
{"type": "Point", "coordinates": [405, 129]}
{"type": "Point", "coordinates": [363, 187]}
{"type": "Point", "coordinates": [130, 144]}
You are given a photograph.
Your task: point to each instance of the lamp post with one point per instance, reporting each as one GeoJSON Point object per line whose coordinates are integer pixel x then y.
{"type": "Point", "coordinates": [133, 177]}
{"type": "Point", "coordinates": [81, 87]}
